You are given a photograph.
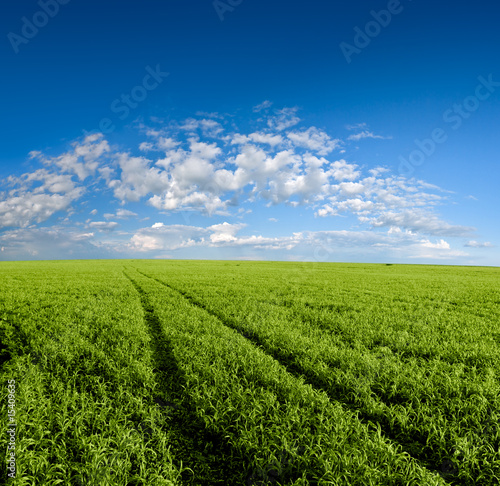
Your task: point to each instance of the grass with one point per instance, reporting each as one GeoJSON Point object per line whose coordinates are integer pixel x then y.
{"type": "Point", "coordinates": [250, 373]}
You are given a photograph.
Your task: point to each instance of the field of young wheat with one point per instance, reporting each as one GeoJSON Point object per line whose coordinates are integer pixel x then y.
{"type": "Point", "coordinates": [138, 372]}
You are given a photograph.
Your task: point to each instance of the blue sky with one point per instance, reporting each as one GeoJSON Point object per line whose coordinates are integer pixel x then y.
{"type": "Point", "coordinates": [244, 129]}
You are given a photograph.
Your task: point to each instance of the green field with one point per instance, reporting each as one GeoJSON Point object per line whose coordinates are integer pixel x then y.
{"type": "Point", "coordinates": [139, 372]}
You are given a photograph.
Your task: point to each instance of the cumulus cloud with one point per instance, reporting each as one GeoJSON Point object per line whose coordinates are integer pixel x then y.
{"type": "Point", "coordinates": [138, 178]}
{"type": "Point", "coordinates": [378, 171]}
{"type": "Point", "coordinates": [283, 119]}
{"type": "Point", "coordinates": [212, 176]}
{"type": "Point", "coordinates": [315, 140]}
{"type": "Point", "coordinates": [420, 222]}
{"type": "Point", "coordinates": [26, 208]}
{"type": "Point", "coordinates": [224, 232]}
{"type": "Point", "coordinates": [35, 197]}
{"type": "Point", "coordinates": [351, 188]}
{"type": "Point", "coordinates": [83, 160]}
{"type": "Point", "coordinates": [266, 138]}
{"type": "Point", "coordinates": [208, 127]}
{"type": "Point", "coordinates": [166, 237]}
{"type": "Point", "coordinates": [200, 165]}
{"type": "Point", "coordinates": [161, 143]}
{"type": "Point", "coordinates": [344, 171]}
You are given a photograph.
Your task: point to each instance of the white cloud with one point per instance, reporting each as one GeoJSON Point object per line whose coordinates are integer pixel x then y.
{"type": "Point", "coordinates": [50, 243]}
{"type": "Point", "coordinates": [205, 151]}
{"type": "Point", "coordinates": [166, 237]}
{"type": "Point", "coordinates": [262, 106]}
{"type": "Point", "coordinates": [183, 179]}
{"type": "Point", "coordinates": [239, 139]}
{"type": "Point", "coordinates": [167, 143]}
{"type": "Point", "coordinates": [365, 134]}
{"type": "Point", "coordinates": [161, 143]}
{"type": "Point", "coordinates": [440, 245]}
{"type": "Point", "coordinates": [224, 232]}
{"type": "Point", "coordinates": [477, 244]}
{"type": "Point", "coordinates": [283, 119]}
{"type": "Point", "coordinates": [142, 242]}
{"type": "Point", "coordinates": [377, 171]}
{"type": "Point", "coordinates": [124, 214]}
{"type": "Point", "coordinates": [212, 114]}
{"type": "Point", "coordinates": [198, 178]}
{"type": "Point", "coordinates": [420, 222]}
{"type": "Point", "coordinates": [20, 211]}
{"type": "Point", "coordinates": [314, 139]}
{"type": "Point", "coordinates": [356, 205]}
{"type": "Point", "coordinates": [356, 126]}
{"type": "Point", "coordinates": [351, 188]}
{"type": "Point", "coordinates": [146, 146]}
{"type": "Point", "coordinates": [83, 160]}
{"type": "Point", "coordinates": [393, 202]}
{"type": "Point", "coordinates": [138, 178]}
{"type": "Point", "coordinates": [326, 210]}
{"type": "Point", "coordinates": [440, 250]}
{"type": "Point", "coordinates": [194, 200]}
{"type": "Point", "coordinates": [319, 245]}
{"type": "Point", "coordinates": [209, 128]}
{"type": "Point", "coordinates": [120, 214]}
{"type": "Point", "coordinates": [50, 182]}
{"type": "Point", "coordinates": [175, 237]}
{"type": "Point", "coordinates": [36, 197]}
{"type": "Point", "coordinates": [103, 225]}
{"type": "Point", "coordinates": [343, 171]}
{"type": "Point", "coordinates": [273, 165]}
{"type": "Point", "coordinates": [266, 138]}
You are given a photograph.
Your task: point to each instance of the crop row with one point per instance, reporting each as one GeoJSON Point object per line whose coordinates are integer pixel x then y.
{"type": "Point", "coordinates": [291, 432]}
{"type": "Point", "coordinates": [77, 346]}
{"type": "Point", "coordinates": [251, 373]}
{"type": "Point", "coordinates": [443, 412]}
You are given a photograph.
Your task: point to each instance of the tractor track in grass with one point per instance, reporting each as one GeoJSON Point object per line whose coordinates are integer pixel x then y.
{"type": "Point", "coordinates": [288, 361]}
{"type": "Point", "coordinates": [195, 440]}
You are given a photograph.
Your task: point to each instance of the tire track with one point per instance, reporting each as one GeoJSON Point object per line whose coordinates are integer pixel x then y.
{"type": "Point", "coordinates": [195, 440]}
{"type": "Point", "coordinates": [337, 393]}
